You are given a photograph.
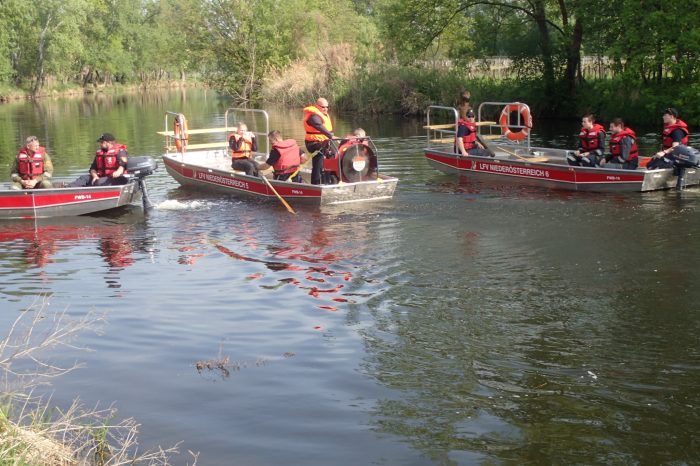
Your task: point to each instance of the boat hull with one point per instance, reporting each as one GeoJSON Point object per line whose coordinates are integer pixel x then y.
{"type": "Point", "coordinates": [210, 171]}
{"type": "Point", "coordinates": [555, 172]}
{"type": "Point", "coordinates": [64, 202]}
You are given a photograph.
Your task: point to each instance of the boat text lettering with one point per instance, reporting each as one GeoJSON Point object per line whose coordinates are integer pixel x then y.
{"type": "Point", "coordinates": [218, 179]}
{"type": "Point", "coordinates": [82, 197]}
{"type": "Point", "coordinates": [513, 170]}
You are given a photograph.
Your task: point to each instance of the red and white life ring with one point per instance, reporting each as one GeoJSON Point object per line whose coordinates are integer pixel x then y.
{"type": "Point", "coordinates": [525, 118]}
{"type": "Point", "coordinates": [180, 131]}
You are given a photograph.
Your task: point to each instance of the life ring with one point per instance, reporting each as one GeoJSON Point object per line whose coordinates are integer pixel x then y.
{"type": "Point", "coordinates": [180, 128]}
{"type": "Point", "coordinates": [524, 117]}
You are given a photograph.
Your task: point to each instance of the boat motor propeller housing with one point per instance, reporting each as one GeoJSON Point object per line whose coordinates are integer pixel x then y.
{"type": "Point", "coordinates": [140, 167]}
{"type": "Point", "coordinates": [685, 157]}
{"type": "Point", "coordinates": [355, 161]}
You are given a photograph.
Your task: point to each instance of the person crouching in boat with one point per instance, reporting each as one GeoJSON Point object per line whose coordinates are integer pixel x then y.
{"type": "Point", "coordinates": [591, 143]}
{"type": "Point", "coordinates": [675, 133]}
{"type": "Point", "coordinates": [623, 147]}
{"type": "Point", "coordinates": [32, 168]}
{"type": "Point", "coordinates": [466, 143]}
{"type": "Point", "coordinates": [285, 158]}
{"type": "Point", "coordinates": [109, 166]}
{"type": "Point", "coordinates": [243, 144]}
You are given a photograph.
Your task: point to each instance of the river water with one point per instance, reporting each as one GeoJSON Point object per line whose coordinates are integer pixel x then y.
{"type": "Point", "coordinates": [463, 322]}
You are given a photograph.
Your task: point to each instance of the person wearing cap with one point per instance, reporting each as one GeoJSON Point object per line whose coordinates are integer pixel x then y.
{"type": "Point", "coordinates": [32, 168]}
{"type": "Point", "coordinates": [319, 131]}
{"type": "Point", "coordinates": [466, 143]}
{"type": "Point", "coordinates": [675, 133]}
{"type": "Point", "coordinates": [109, 165]}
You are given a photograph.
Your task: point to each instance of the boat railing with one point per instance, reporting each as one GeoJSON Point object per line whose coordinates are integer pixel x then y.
{"type": "Point", "coordinates": [496, 122]}
{"type": "Point", "coordinates": [441, 124]}
{"type": "Point", "coordinates": [179, 141]}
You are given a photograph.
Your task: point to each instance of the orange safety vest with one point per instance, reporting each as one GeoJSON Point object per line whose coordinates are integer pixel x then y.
{"type": "Point", "coordinates": [107, 162]}
{"type": "Point", "coordinates": [245, 147]}
{"type": "Point", "coordinates": [312, 133]}
{"type": "Point", "coordinates": [31, 166]}
{"type": "Point", "coordinates": [289, 159]}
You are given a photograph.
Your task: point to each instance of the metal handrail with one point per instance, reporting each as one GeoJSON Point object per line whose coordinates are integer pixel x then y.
{"type": "Point", "coordinates": [440, 130]}
{"type": "Point", "coordinates": [235, 110]}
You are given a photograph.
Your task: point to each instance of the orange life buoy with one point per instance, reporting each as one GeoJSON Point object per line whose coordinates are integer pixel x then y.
{"type": "Point", "coordinates": [181, 135]}
{"type": "Point", "coordinates": [524, 117]}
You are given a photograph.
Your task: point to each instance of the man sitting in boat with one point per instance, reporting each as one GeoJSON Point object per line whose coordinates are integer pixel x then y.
{"type": "Point", "coordinates": [285, 158]}
{"type": "Point", "coordinates": [623, 147]}
{"type": "Point", "coordinates": [591, 143]}
{"type": "Point", "coordinates": [32, 168]}
{"type": "Point", "coordinates": [243, 144]}
{"type": "Point", "coordinates": [466, 143]}
{"type": "Point", "coordinates": [109, 165]}
{"type": "Point", "coordinates": [675, 133]}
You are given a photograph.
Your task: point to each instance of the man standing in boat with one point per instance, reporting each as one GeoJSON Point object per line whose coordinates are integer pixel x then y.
{"type": "Point", "coordinates": [591, 143]}
{"type": "Point", "coordinates": [675, 133]}
{"type": "Point", "coordinates": [243, 144]}
{"type": "Point", "coordinates": [319, 132]}
{"type": "Point", "coordinates": [285, 158]}
{"type": "Point", "coordinates": [466, 143]}
{"type": "Point", "coordinates": [32, 168]}
{"type": "Point", "coordinates": [109, 165]}
{"type": "Point", "coordinates": [623, 147]}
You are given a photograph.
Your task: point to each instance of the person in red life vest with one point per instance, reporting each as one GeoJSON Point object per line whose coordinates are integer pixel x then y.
{"type": "Point", "coordinates": [319, 131]}
{"type": "Point", "coordinates": [109, 165]}
{"type": "Point", "coordinates": [359, 136]}
{"type": "Point", "coordinates": [285, 158]}
{"type": "Point", "coordinates": [243, 144]}
{"type": "Point", "coordinates": [591, 143]}
{"type": "Point", "coordinates": [32, 168]}
{"type": "Point", "coordinates": [623, 147]}
{"type": "Point", "coordinates": [466, 143]}
{"type": "Point", "coordinates": [675, 133]}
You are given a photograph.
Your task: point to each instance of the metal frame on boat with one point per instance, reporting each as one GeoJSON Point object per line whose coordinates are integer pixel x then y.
{"type": "Point", "coordinates": [522, 163]}
{"type": "Point", "coordinates": [207, 166]}
{"type": "Point", "coordinates": [64, 201]}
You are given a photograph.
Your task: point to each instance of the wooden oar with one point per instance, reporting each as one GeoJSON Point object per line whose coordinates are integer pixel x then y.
{"type": "Point", "coordinates": [527, 159]}
{"type": "Point", "coordinates": [286, 204]}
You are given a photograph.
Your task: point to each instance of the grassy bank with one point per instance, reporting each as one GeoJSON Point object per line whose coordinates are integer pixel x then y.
{"type": "Point", "coordinates": [409, 90]}
{"type": "Point", "coordinates": [33, 432]}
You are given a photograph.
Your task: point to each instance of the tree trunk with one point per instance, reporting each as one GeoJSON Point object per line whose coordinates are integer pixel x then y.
{"type": "Point", "coordinates": [40, 59]}
{"type": "Point", "coordinates": [539, 15]}
{"type": "Point", "coordinates": [573, 58]}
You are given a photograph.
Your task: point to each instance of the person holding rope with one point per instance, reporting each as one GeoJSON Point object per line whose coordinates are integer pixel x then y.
{"type": "Point", "coordinates": [286, 158]}
{"type": "Point", "coordinates": [319, 132]}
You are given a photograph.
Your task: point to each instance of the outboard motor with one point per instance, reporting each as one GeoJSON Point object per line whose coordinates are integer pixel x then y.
{"type": "Point", "coordinates": [684, 157]}
{"type": "Point", "coordinates": [355, 161]}
{"type": "Point", "coordinates": [139, 168]}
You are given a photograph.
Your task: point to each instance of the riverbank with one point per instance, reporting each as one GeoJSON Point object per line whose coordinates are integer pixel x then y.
{"type": "Point", "coordinates": [409, 90]}
{"type": "Point", "coordinates": [15, 94]}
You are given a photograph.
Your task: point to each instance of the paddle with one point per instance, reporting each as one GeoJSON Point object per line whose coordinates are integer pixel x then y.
{"type": "Point", "coordinates": [286, 204]}
{"type": "Point", "coordinates": [528, 159]}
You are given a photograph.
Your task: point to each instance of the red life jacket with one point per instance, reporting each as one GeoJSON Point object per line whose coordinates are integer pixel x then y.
{"type": "Point", "coordinates": [289, 159]}
{"type": "Point", "coordinates": [589, 139]}
{"type": "Point", "coordinates": [470, 139]}
{"type": "Point", "coordinates": [31, 166]}
{"type": "Point", "coordinates": [245, 147]}
{"type": "Point", "coordinates": [107, 162]}
{"type": "Point", "coordinates": [666, 140]}
{"type": "Point", "coordinates": [616, 147]}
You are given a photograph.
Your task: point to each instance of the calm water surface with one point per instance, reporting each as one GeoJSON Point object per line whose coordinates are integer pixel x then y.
{"type": "Point", "coordinates": [463, 322]}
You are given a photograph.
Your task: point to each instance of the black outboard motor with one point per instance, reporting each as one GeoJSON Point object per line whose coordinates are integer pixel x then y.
{"type": "Point", "coordinates": [684, 157]}
{"type": "Point", "coordinates": [139, 168]}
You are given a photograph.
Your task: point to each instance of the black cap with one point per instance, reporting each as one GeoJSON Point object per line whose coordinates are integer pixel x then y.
{"type": "Point", "coordinates": [671, 111]}
{"type": "Point", "coordinates": [106, 137]}
{"type": "Point", "coordinates": [470, 114]}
